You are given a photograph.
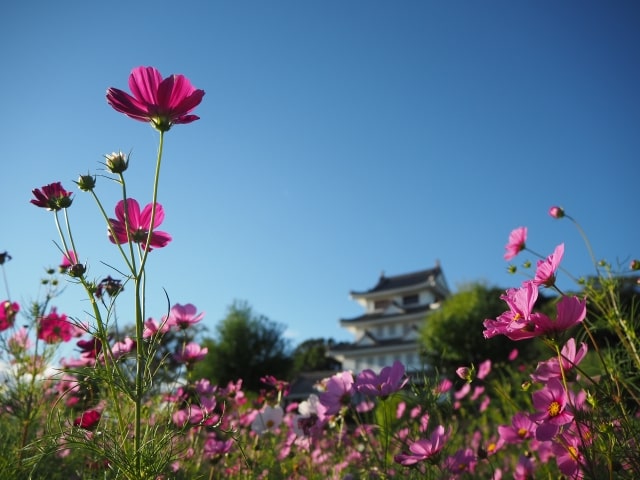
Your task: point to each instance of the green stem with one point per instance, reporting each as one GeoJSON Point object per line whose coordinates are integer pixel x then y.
{"type": "Point", "coordinates": [141, 359]}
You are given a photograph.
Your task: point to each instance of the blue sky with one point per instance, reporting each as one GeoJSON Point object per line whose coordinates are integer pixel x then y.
{"type": "Point", "coordinates": [337, 140]}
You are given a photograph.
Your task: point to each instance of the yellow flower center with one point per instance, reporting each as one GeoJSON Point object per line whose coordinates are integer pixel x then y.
{"type": "Point", "coordinates": [553, 409]}
{"type": "Point", "coordinates": [522, 432]}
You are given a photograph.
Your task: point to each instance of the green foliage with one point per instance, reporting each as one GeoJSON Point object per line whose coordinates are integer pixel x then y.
{"type": "Point", "coordinates": [311, 355]}
{"type": "Point", "coordinates": [452, 336]}
{"type": "Point", "coordinates": [248, 346]}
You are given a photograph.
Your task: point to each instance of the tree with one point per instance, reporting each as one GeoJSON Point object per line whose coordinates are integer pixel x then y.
{"type": "Point", "coordinates": [452, 336]}
{"type": "Point", "coordinates": [311, 355]}
{"type": "Point", "coordinates": [248, 346]}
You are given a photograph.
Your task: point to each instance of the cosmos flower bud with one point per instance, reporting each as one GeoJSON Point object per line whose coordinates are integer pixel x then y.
{"type": "Point", "coordinates": [635, 264]}
{"type": "Point", "coordinates": [86, 183]}
{"type": "Point", "coordinates": [556, 212]}
{"type": "Point", "coordinates": [116, 162]}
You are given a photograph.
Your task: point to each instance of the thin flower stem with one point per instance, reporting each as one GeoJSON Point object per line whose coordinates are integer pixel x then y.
{"type": "Point", "coordinates": [62, 237]}
{"type": "Point", "coordinates": [6, 283]}
{"type": "Point", "coordinates": [586, 242]}
{"type": "Point", "coordinates": [139, 277]}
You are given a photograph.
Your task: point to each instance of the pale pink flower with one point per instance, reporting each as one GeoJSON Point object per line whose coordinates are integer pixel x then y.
{"type": "Point", "coordinates": [120, 349]}
{"type": "Point", "coordinates": [191, 353]}
{"type": "Point", "coordinates": [570, 358]}
{"type": "Point", "coordinates": [339, 392]}
{"type": "Point", "coordinates": [551, 403]}
{"type": "Point", "coordinates": [546, 269]}
{"type": "Point", "coordinates": [516, 243]}
{"type": "Point", "coordinates": [19, 341]}
{"type": "Point", "coordinates": [424, 449]}
{"type": "Point", "coordinates": [484, 369]}
{"type": "Point", "coordinates": [183, 316]}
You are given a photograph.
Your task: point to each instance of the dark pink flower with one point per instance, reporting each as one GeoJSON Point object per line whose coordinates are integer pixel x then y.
{"type": "Point", "coordinates": [183, 316]}
{"type": "Point", "coordinates": [390, 380]}
{"type": "Point", "coordinates": [68, 260]}
{"type": "Point", "coordinates": [163, 102]}
{"type": "Point", "coordinates": [88, 420]}
{"type": "Point", "coordinates": [546, 271]}
{"type": "Point", "coordinates": [556, 212]}
{"type": "Point", "coordinates": [52, 197]}
{"type": "Point", "coordinates": [54, 328]}
{"type": "Point", "coordinates": [424, 449]}
{"type": "Point", "coordinates": [139, 224]}
{"type": "Point", "coordinates": [516, 243]}
{"type": "Point", "coordinates": [8, 311]}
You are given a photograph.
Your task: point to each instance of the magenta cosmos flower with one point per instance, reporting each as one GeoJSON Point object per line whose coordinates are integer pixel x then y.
{"type": "Point", "coordinates": [338, 394]}
{"type": "Point", "coordinates": [424, 449]}
{"type": "Point", "coordinates": [390, 380]}
{"type": "Point", "coordinates": [55, 328]}
{"type": "Point", "coordinates": [546, 269]}
{"type": "Point", "coordinates": [183, 316]}
{"type": "Point", "coordinates": [162, 102]}
{"type": "Point", "coordinates": [516, 243]}
{"type": "Point", "coordinates": [52, 197]}
{"type": "Point", "coordinates": [139, 225]}
{"type": "Point", "coordinates": [8, 311]}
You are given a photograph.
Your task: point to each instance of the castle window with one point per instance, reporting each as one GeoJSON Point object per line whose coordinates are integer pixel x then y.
{"type": "Point", "coordinates": [410, 299]}
{"type": "Point", "coordinates": [381, 304]}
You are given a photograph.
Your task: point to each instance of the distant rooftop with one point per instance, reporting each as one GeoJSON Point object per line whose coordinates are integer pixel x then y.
{"type": "Point", "coordinates": [401, 281]}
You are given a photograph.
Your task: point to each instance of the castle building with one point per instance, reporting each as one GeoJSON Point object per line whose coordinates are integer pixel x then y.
{"type": "Point", "coordinates": [388, 330]}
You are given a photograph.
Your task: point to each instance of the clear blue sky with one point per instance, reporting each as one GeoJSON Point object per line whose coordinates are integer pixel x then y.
{"type": "Point", "coordinates": [337, 139]}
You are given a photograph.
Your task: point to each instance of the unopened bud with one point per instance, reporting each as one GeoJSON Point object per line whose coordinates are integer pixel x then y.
{"type": "Point", "coordinates": [556, 212]}
{"type": "Point", "coordinates": [86, 183]}
{"type": "Point", "coordinates": [116, 162]}
{"type": "Point", "coordinates": [635, 264]}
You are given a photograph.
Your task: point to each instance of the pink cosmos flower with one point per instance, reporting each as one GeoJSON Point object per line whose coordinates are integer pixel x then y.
{"type": "Point", "coordinates": [54, 328]}
{"type": "Point", "coordinates": [484, 369]}
{"type": "Point", "coordinates": [53, 197]}
{"type": "Point", "coordinates": [139, 224]}
{"type": "Point", "coordinates": [551, 404]}
{"type": "Point", "coordinates": [570, 312]}
{"type": "Point", "coordinates": [546, 271]}
{"type": "Point", "coordinates": [183, 316]}
{"type": "Point", "coordinates": [463, 461]}
{"type": "Point", "coordinates": [8, 311]}
{"type": "Point", "coordinates": [390, 380]}
{"type": "Point", "coordinates": [424, 449]}
{"type": "Point", "coordinates": [163, 102]}
{"type": "Point", "coordinates": [151, 328]}
{"type": "Point", "coordinates": [521, 428]}
{"type": "Point", "coordinates": [518, 322]}
{"type": "Point", "coordinates": [338, 394]}
{"type": "Point", "coordinates": [120, 349]}
{"type": "Point", "coordinates": [568, 455]}
{"type": "Point", "coordinates": [516, 243]}
{"type": "Point", "coordinates": [191, 353]}
{"type": "Point", "coordinates": [570, 358]}
{"type": "Point", "coordinates": [19, 341]}
{"type": "Point", "coordinates": [69, 259]}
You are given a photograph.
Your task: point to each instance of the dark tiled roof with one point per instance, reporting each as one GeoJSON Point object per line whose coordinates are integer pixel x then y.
{"type": "Point", "coordinates": [378, 315]}
{"type": "Point", "coordinates": [401, 281]}
{"type": "Point", "coordinates": [385, 342]}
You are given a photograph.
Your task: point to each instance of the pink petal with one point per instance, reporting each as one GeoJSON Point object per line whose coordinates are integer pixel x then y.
{"type": "Point", "coordinates": [145, 217]}
{"type": "Point", "coordinates": [144, 82]}
{"type": "Point", "coordinates": [125, 103]}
